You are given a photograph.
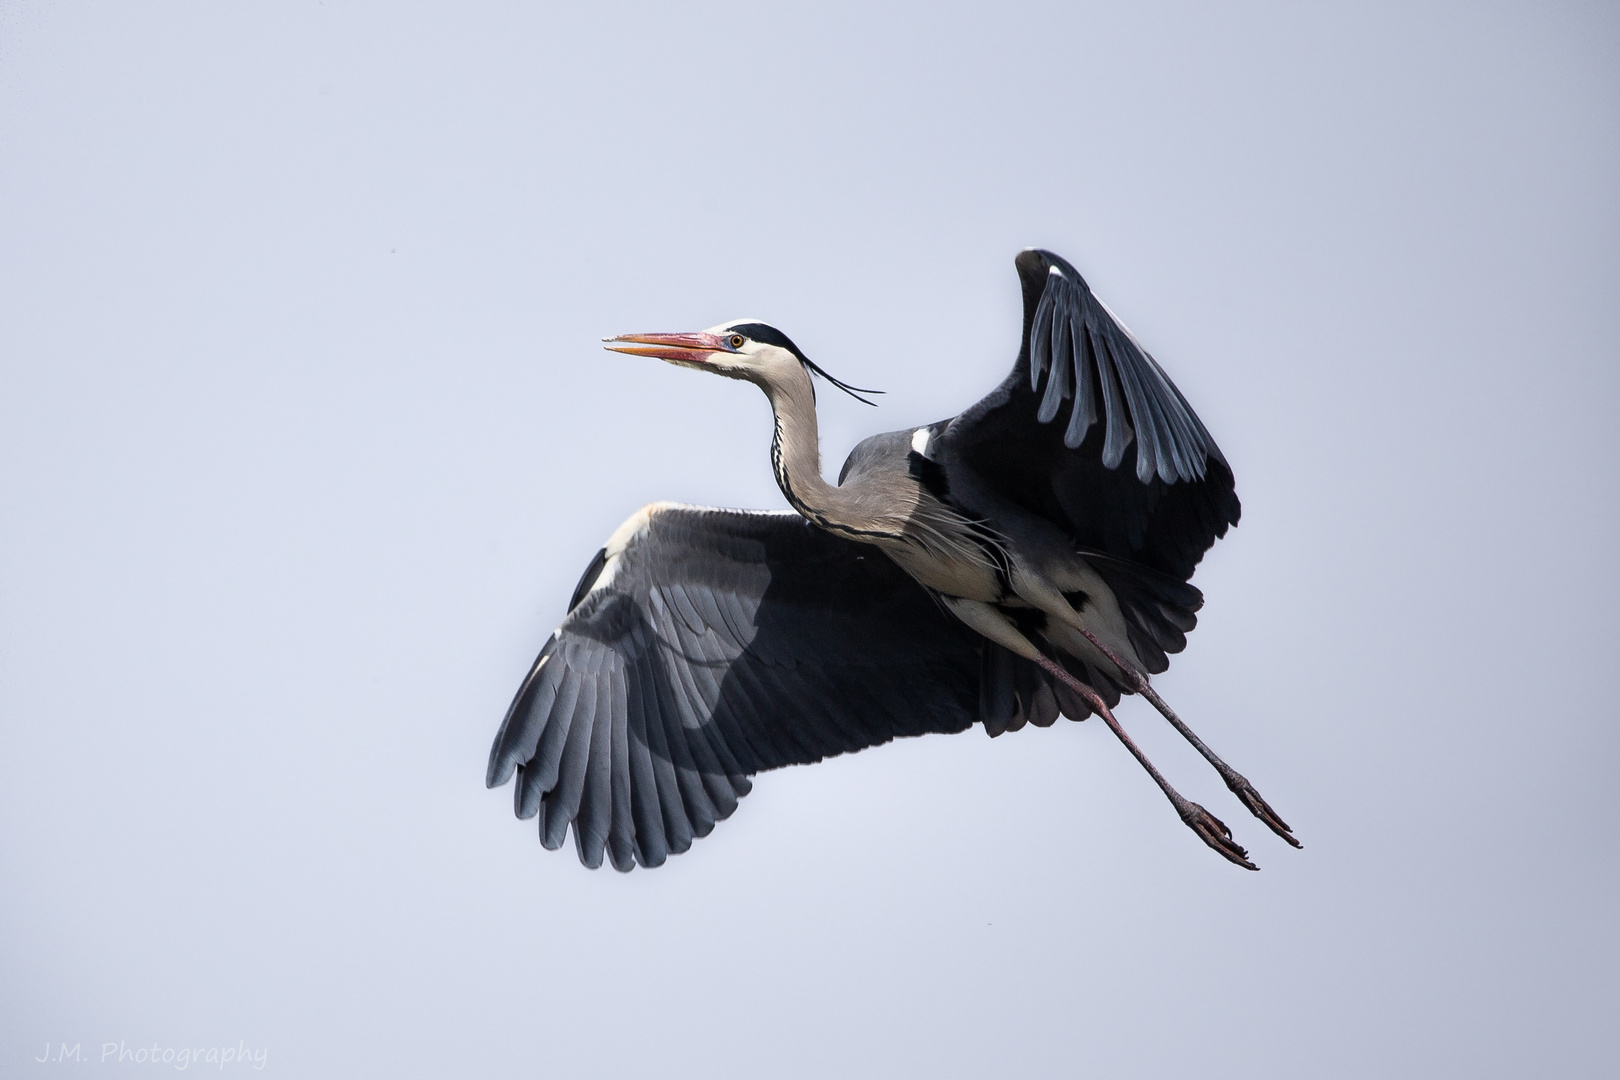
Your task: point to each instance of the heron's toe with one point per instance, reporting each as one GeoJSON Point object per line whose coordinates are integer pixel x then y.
{"type": "Point", "coordinates": [1213, 831]}
{"type": "Point", "coordinates": [1260, 808]}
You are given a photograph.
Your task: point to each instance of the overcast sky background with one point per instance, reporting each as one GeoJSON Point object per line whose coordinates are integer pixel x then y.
{"type": "Point", "coordinates": [305, 436]}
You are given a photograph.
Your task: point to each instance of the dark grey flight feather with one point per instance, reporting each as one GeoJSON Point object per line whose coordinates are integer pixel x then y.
{"type": "Point", "coordinates": [1074, 340]}
{"type": "Point", "coordinates": [727, 643]}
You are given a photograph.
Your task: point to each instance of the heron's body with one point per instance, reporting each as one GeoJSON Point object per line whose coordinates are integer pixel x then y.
{"type": "Point", "coordinates": [706, 645]}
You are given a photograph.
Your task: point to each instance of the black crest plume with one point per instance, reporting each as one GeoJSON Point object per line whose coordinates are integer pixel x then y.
{"type": "Point", "coordinates": [770, 335]}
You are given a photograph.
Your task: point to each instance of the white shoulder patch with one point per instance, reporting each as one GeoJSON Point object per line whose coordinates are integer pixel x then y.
{"type": "Point", "coordinates": [633, 529]}
{"type": "Point", "coordinates": [1055, 271]}
{"type": "Point", "coordinates": [636, 525]}
{"type": "Point", "coordinates": [919, 441]}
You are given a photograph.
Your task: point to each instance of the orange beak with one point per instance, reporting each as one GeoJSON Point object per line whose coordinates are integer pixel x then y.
{"type": "Point", "coordinates": [688, 348]}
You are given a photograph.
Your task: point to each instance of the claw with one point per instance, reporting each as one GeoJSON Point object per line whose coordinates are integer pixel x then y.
{"type": "Point", "coordinates": [1260, 808]}
{"type": "Point", "coordinates": [1213, 831]}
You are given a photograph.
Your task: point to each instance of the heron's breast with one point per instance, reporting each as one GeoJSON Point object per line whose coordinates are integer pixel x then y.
{"type": "Point", "coordinates": [952, 576]}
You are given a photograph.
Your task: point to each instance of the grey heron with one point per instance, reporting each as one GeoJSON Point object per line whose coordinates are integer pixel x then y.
{"type": "Point", "coordinates": [1026, 558]}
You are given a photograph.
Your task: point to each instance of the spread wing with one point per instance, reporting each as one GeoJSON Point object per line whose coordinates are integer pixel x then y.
{"type": "Point", "coordinates": [1089, 432]}
{"type": "Point", "coordinates": [706, 645]}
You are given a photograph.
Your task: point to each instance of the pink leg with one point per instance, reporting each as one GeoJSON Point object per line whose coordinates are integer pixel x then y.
{"type": "Point", "coordinates": [1234, 779]}
{"type": "Point", "coordinates": [1208, 827]}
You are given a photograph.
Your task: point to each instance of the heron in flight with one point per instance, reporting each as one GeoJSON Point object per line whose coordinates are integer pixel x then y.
{"type": "Point", "coordinates": [1026, 558]}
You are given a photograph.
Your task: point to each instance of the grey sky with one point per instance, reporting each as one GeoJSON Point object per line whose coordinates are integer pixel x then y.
{"type": "Point", "coordinates": [305, 436]}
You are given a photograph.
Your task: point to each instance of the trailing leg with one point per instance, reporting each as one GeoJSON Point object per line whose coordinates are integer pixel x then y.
{"type": "Point", "coordinates": [1234, 780]}
{"type": "Point", "coordinates": [1210, 829]}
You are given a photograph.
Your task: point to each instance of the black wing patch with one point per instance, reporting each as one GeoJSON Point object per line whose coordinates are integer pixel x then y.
{"type": "Point", "coordinates": [714, 644]}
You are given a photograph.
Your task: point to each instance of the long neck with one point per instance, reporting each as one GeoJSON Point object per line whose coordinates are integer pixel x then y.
{"type": "Point", "coordinates": [796, 449]}
{"type": "Point", "coordinates": [873, 516]}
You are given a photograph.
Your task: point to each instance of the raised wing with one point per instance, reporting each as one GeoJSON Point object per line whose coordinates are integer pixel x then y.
{"type": "Point", "coordinates": [706, 645]}
{"type": "Point", "coordinates": [1088, 432]}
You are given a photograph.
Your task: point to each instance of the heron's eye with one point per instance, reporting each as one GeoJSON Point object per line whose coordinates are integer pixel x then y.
{"type": "Point", "coordinates": [737, 341]}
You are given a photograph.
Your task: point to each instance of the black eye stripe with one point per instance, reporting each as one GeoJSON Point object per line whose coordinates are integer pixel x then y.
{"type": "Point", "coordinates": [766, 335]}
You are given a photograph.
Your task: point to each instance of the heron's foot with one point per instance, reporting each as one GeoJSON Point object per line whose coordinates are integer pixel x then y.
{"type": "Point", "coordinates": [1212, 831]}
{"type": "Point", "coordinates": [1259, 807]}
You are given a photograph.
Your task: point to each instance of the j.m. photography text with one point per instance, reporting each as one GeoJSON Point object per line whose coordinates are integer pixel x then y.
{"type": "Point", "coordinates": [181, 1058]}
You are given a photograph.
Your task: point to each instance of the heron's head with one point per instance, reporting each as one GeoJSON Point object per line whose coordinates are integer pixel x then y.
{"type": "Point", "coordinates": [739, 349]}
